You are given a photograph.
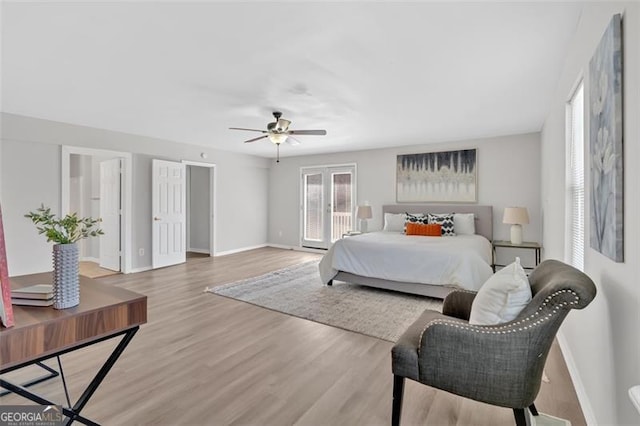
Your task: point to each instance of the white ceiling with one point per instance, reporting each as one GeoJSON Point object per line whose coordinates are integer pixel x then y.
{"type": "Point", "coordinates": [372, 74]}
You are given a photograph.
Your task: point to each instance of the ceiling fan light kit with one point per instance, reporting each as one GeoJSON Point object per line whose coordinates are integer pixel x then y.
{"type": "Point", "coordinates": [278, 132]}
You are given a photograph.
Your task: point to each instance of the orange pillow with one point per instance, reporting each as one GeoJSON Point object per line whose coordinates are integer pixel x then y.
{"type": "Point", "coordinates": [430, 230]}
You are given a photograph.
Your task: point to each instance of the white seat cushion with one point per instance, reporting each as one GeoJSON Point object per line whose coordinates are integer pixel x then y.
{"type": "Point", "coordinates": [502, 296]}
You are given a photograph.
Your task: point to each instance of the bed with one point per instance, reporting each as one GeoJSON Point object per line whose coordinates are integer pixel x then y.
{"type": "Point", "coordinates": [429, 266]}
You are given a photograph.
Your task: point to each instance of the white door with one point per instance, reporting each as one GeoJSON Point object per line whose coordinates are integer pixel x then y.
{"type": "Point", "coordinates": [328, 196]}
{"type": "Point", "coordinates": [168, 212]}
{"type": "Point", "coordinates": [110, 213]}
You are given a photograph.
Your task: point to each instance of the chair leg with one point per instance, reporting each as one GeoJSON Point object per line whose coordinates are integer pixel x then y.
{"type": "Point", "coordinates": [521, 416]}
{"type": "Point", "coordinates": [398, 391]}
{"type": "Point", "coordinates": [533, 409]}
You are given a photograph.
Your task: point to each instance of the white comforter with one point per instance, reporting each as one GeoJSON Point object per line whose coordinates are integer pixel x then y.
{"type": "Point", "coordinates": [460, 261]}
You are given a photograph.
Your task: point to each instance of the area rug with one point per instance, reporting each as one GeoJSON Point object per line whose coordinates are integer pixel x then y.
{"type": "Point", "coordinates": [298, 291]}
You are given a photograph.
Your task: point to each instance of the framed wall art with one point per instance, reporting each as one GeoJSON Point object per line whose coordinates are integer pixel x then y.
{"type": "Point", "coordinates": [605, 144]}
{"type": "Point", "coordinates": [446, 176]}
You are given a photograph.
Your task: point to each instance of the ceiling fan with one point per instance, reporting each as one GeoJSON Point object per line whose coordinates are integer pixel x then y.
{"type": "Point", "coordinates": [278, 132]}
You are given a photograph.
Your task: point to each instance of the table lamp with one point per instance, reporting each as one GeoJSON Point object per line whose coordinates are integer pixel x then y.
{"type": "Point", "coordinates": [363, 213]}
{"type": "Point", "coordinates": [516, 217]}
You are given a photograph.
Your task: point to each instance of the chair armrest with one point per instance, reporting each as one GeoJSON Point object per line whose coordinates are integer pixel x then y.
{"type": "Point", "coordinates": [457, 304]}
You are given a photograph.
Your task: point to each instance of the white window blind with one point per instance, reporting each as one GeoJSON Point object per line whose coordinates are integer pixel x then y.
{"type": "Point", "coordinates": [575, 180]}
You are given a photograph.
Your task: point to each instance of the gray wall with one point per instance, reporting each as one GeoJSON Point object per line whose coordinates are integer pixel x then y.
{"type": "Point", "coordinates": [602, 343]}
{"type": "Point", "coordinates": [31, 176]}
{"type": "Point", "coordinates": [199, 202]}
{"type": "Point", "coordinates": [508, 174]}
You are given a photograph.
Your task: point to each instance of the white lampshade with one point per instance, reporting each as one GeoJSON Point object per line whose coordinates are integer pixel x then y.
{"type": "Point", "coordinates": [364, 212]}
{"type": "Point", "coordinates": [516, 216]}
{"type": "Point", "coordinates": [277, 138]}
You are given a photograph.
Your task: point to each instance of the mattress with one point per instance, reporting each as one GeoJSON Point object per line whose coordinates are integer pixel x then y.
{"type": "Point", "coordinates": [462, 261]}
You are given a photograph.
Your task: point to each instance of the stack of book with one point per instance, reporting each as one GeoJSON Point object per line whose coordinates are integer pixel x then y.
{"type": "Point", "coordinates": [35, 295]}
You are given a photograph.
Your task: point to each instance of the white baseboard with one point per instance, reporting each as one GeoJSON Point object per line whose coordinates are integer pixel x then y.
{"type": "Point", "coordinates": [195, 250]}
{"type": "Point", "coordinates": [90, 259]}
{"type": "Point", "coordinates": [227, 252]}
{"type": "Point", "coordinates": [583, 398]}
{"type": "Point", "coordinates": [141, 269]}
{"type": "Point", "coordinates": [297, 248]}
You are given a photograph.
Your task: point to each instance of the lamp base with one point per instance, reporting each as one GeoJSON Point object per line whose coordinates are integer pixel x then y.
{"type": "Point", "coordinates": [516, 234]}
{"type": "Point", "coordinates": [363, 225]}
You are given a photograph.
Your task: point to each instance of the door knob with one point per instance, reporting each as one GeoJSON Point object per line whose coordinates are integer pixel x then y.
{"type": "Point", "coordinates": [157, 218]}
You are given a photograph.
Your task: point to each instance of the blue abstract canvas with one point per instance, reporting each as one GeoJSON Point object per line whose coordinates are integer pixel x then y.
{"type": "Point", "coordinates": [605, 144]}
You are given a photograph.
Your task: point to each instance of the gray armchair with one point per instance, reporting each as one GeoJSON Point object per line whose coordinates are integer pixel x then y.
{"type": "Point", "coordinates": [498, 364]}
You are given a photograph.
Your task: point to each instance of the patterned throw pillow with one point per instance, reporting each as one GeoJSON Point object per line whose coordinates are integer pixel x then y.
{"type": "Point", "coordinates": [415, 218]}
{"type": "Point", "coordinates": [430, 230]}
{"type": "Point", "coordinates": [446, 221]}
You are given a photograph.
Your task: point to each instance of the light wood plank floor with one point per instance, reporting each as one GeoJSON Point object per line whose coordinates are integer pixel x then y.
{"type": "Point", "coordinates": [204, 359]}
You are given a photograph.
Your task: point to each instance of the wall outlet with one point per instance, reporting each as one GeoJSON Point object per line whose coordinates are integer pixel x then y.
{"type": "Point", "coordinates": [141, 252]}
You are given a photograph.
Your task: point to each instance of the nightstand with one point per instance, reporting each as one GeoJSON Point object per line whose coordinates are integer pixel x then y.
{"type": "Point", "coordinates": [526, 245]}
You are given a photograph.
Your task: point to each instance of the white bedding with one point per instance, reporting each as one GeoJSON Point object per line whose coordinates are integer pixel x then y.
{"type": "Point", "coordinates": [461, 261]}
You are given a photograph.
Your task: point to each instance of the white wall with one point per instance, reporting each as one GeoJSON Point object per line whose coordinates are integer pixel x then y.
{"type": "Point", "coordinates": [198, 208]}
{"type": "Point", "coordinates": [602, 343]}
{"type": "Point", "coordinates": [28, 180]}
{"type": "Point", "coordinates": [31, 175]}
{"type": "Point", "coordinates": [508, 174]}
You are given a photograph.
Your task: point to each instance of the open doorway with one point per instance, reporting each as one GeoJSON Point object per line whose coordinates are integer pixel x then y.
{"type": "Point", "coordinates": [183, 211]}
{"type": "Point", "coordinates": [95, 183]}
{"type": "Point", "coordinates": [200, 209]}
{"type": "Point", "coordinates": [199, 213]}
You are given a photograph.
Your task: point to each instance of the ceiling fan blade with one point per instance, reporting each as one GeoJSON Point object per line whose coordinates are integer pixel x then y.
{"type": "Point", "coordinates": [251, 130]}
{"type": "Point", "coordinates": [292, 141]}
{"type": "Point", "coordinates": [307, 132]}
{"type": "Point", "coordinates": [256, 139]}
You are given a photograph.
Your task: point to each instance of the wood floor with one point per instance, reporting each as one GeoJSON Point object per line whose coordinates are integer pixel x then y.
{"type": "Point", "coordinates": [205, 359]}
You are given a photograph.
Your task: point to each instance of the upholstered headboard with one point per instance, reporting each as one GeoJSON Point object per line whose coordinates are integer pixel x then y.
{"type": "Point", "coordinates": [484, 214]}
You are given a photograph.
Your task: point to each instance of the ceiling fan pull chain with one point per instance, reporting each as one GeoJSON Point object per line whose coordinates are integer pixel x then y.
{"type": "Point", "coordinates": [277, 153]}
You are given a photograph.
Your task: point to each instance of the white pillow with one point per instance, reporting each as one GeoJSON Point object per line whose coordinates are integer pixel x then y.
{"type": "Point", "coordinates": [464, 223]}
{"type": "Point", "coordinates": [394, 222]}
{"type": "Point", "coordinates": [502, 296]}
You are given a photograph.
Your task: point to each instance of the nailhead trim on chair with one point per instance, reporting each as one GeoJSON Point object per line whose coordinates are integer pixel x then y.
{"type": "Point", "coordinates": [461, 290]}
{"type": "Point", "coordinates": [509, 328]}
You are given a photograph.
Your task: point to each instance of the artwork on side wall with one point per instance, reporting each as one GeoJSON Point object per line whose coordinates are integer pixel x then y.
{"type": "Point", "coordinates": [605, 144]}
{"type": "Point", "coordinates": [447, 176]}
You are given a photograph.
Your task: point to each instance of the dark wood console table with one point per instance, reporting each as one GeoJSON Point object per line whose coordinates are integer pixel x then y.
{"type": "Point", "coordinates": [41, 333]}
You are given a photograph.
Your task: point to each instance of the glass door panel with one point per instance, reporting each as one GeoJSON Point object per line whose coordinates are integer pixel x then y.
{"type": "Point", "coordinates": [313, 210]}
{"type": "Point", "coordinates": [342, 206]}
{"type": "Point", "coordinates": [327, 204]}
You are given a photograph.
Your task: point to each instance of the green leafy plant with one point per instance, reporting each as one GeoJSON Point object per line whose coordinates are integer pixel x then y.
{"type": "Point", "coordinates": [66, 230]}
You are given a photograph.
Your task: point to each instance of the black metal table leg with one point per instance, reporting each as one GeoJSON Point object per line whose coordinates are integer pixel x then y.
{"type": "Point", "coordinates": [93, 386]}
{"type": "Point", "coordinates": [73, 413]}
{"type": "Point", "coordinates": [52, 373]}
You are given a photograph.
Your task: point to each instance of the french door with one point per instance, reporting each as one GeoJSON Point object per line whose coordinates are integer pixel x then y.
{"type": "Point", "coordinates": [328, 204]}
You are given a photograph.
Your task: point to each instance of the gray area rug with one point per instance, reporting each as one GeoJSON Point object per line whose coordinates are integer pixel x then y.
{"type": "Point", "coordinates": [298, 291]}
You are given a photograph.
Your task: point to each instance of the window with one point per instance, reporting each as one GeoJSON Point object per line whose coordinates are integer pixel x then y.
{"type": "Point", "coordinates": [575, 179]}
